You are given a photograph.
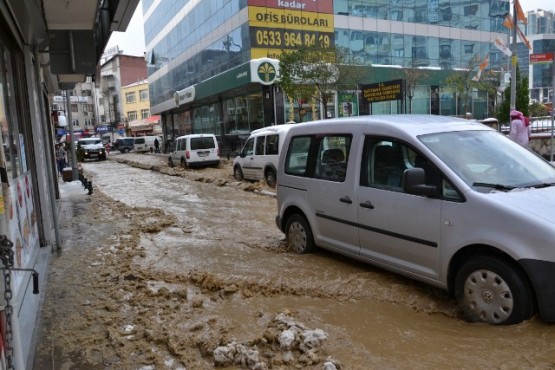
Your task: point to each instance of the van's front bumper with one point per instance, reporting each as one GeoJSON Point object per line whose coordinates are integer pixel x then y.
{"type": "Point", "coordinates": [542, 277]}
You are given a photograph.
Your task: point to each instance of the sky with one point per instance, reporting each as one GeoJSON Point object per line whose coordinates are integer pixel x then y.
{"type": "Point", "coordinates": [132, 41]}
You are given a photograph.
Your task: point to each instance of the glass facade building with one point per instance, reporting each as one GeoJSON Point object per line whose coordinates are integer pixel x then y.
{"type": "Point", "coordinates": [197, 53]}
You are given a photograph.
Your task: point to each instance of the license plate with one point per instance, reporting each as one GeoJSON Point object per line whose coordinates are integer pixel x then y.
{"type": "Point", "coordinates": [203, 154]}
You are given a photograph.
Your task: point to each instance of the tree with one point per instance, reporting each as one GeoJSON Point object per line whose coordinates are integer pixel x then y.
{"type": "Point", "coordinates": [315, 73]}
{"type": "Point", "coordinates": [412, 77]}
{"type": "Point", "coordinates": [522, 98]}
{"type": "Point", "coordinates": [462, 82]}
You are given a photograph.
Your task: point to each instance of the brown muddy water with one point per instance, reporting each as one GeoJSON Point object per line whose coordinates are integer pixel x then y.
{"type": "Point", "coordinates": [170, 273]}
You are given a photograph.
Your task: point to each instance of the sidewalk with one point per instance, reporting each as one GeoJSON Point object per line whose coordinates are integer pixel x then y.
{"type": "Point", "coordinates": [59, 280]}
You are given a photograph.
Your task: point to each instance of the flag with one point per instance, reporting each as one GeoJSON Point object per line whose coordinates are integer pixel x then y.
{"type": "Point", "coordinates": [523, 38]}
{"type": "Point", "coordinates": [498, 43]}
{"type": "Point", "coordinates": [508, 22]}
{"type": "Point", "coordinates": [477, 77]}
{"type": "Point", "coordinates": [519, 13]}
{"type": "Point", "coordinates": [485, 63]}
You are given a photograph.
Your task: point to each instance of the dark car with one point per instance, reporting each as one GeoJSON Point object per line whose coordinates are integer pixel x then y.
{"type": "Point", "coordinates": [124, 145]}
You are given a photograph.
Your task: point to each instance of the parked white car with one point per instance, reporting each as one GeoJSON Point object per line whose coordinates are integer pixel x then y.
{"type": "Point", "coordinates": [195, 150]}
{"type": "Point", "coordinates": [259, 156]}
{"type": "Point", "coordinates": [450, 202]}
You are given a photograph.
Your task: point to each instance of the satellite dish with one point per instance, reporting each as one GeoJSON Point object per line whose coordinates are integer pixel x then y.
{"type": "Point", "coordinates": [62, 121]}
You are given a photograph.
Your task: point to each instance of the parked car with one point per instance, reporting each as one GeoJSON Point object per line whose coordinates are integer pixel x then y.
{"type": "Point", "coordinates": [446, 201]}
{"type": "Point", "coordinates": [92, 148]}
{"type": "Point", "coordinates": [259, 156]}
{"type": "Point", "coordinates": [195, 150]}
{"type": "Point", "coordinates": [124, 145]}
{"type": "Point", "coordinates": [145, 144]}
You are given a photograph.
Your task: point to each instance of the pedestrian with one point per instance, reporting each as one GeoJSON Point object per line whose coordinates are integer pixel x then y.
{"type": "Point", "coordinates": [156, 146]}
{"type": "Point", "coordinates": [519, 131]}
{"type": "Point", "coordinates": [60, 158]}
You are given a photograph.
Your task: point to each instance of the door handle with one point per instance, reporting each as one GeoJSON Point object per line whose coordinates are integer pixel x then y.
{"type": "Point", "coordinates": [345, 199]}
{"type": "Point", "coordinates": [367, 204]}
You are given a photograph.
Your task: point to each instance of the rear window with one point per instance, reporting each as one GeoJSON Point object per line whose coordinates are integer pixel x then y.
{"type": "Point", "coordinates": [202, 143]}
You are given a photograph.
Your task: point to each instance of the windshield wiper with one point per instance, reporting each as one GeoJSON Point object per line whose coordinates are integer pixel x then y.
{"type": "Point", "coordinates": [544, 185]}
{"type": "Point", "coordinates": [494, 186]}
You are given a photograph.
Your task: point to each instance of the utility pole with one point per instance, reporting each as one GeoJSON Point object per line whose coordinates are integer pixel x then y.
{"type": "Point", "coordinates": [514, 59]}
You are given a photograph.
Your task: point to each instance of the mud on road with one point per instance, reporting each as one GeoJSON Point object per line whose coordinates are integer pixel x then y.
{"type": "Point", "coordinates": [167, 268]}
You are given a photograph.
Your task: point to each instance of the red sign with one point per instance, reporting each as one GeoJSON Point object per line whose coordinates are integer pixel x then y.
{"type": "Point", "coordinates": [541, 58]}
{"type": "Point", "coordinates": [320, 6]}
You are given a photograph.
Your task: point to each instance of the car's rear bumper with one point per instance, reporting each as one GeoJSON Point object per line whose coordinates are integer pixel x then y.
{"type": "Point", "coordinates": [542, 277]}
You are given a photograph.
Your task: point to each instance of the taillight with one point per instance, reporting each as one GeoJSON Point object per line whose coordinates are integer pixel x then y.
{"type": "Point", "coordinates": [187, 154]}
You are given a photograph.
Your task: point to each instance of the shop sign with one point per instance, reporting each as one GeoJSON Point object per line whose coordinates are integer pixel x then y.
{"type": "Point", "coordinates": [264, 70]}
{"type": "Point", "coordinates": [184, 96]}
{"type": "Point", "coordinates": [383, 91]}
{"type": "Point", "coordinates": [542, 58]}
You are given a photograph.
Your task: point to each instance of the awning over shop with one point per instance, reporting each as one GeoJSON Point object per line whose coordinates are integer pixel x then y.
{"type": "Point", "coordinates": [149, 123]}
{"type": "Point", "coordinates": [139, 125]}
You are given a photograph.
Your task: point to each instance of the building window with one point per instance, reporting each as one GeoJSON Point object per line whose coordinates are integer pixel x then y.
{"type": "Point", "coordinates": [74, 108]}
{"type": "Point", "coordinates": [75, 122]}
{"type": "Point", "coordinates": [145, 113]}
{"type": "Point", "coordinates": [87, 122]}
{"type": "Point", "coordinates": [130, 97]}
{"type": "Point", "coordinates": [132, 115]}
{"type": "Point", "coordinates": [143, 95]}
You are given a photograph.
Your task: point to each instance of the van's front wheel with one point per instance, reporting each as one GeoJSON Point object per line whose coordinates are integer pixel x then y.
{"type": "Point", "coordinates": [237, 173]}
{"type": "Point", "coordinates": [490, 290]}
{"type": "Point", "coordinates": [299, 235]}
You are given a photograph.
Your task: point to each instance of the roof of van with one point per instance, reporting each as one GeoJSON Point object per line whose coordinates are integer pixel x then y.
{"type": "Point", "coordinates": [275, 128]}
{"type": "Point", "coordinates": [416, 124]}
{"type": "Point", "coordinates": [195, 135]}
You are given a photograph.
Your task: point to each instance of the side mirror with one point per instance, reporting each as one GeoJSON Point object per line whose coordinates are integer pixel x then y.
{"type": "Point", "coordinates": [414, 182]}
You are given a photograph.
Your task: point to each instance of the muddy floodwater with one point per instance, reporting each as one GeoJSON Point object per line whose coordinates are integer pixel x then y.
{"type": "Point", "coordinates": [186, 272]}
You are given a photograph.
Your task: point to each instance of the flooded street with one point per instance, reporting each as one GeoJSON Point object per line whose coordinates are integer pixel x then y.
{"type": "Point", "coordinates": [192, 274]}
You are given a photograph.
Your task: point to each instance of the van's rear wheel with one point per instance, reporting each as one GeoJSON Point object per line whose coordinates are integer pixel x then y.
{"type": "Point", "coordinates": [270, 178]}
{"type": "Point", "coordinates": [491, 290]}
{"type": "Point", "coordinates": [299, 235]}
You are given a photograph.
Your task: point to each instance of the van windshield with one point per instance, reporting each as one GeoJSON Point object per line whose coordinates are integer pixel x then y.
{"type": "Point", "coordinates": [202, 143]}
{"type": "Point", "coordinates": [488, 160]}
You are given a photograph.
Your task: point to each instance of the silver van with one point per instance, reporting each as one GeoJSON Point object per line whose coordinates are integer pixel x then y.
{"type": "Point", "coordinates": [259, 156]}
{"type": "Point", "coordinates": [446, 201]}
{"type": "Point", "coordinates": [195, 150]}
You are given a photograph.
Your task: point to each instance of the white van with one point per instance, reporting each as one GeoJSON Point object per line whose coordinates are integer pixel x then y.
{"type": "Point", "coordinates": [259, 157]}
{"type": "Point", "coordinates": [145, 144]}
{"type": "Point", "coordinates": [195, 150]}
{"type": "Point", "coordinates": [446, 201]}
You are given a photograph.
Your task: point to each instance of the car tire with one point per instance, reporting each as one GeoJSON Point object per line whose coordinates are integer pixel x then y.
{"type": "Point", "coordinates": [299, 235]}
{"type": "Point", "coordinates": [491, 290]}
{"type": "Point", "coordinates": [270, 177]}
{"type": "Point", "coordinates": [170, 162]}
{"type": "Point", "coordinates": [238, 173]}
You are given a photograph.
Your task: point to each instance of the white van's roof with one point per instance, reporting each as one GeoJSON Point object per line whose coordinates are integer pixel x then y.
{"type": "Point", "coordinates": [275, 128]}
{"type": "Point", "coordinates": [195, 135]}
